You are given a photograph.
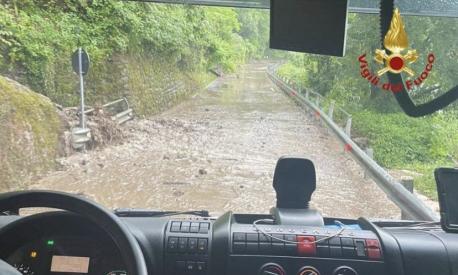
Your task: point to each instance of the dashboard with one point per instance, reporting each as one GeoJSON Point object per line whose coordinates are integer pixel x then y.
{"type": "Point", "coordinates": [60, 243]}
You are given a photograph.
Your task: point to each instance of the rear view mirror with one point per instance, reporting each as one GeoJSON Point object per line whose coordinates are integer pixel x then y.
{"type": "Point", "coordinates": [447, 188]}
{"type": "Point", "coordinates": [310, 26]}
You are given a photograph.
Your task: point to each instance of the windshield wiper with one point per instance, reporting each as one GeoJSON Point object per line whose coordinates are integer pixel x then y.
{"type": "Point", "coordinates": [133, 212]}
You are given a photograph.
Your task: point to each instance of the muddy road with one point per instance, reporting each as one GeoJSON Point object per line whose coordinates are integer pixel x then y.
{"type": "Point", "coordinates": [217, 151]}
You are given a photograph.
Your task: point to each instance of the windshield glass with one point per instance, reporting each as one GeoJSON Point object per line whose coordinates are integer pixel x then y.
{"type": "Point", "coordinates": [184, 107]}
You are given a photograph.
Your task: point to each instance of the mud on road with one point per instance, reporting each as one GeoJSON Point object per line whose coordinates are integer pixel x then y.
{"type": "Point", "coordinates": [217, 151]}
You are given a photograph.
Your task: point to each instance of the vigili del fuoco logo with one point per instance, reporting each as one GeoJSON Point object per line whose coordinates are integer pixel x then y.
{"type": "Point", "coordinates": [396, 41]}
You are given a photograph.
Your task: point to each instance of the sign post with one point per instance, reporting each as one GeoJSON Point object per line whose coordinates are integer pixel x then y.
{"type": "Point", "coordinates": [83, 117]}
{"type": "Point", "coordinates": [80, 64]}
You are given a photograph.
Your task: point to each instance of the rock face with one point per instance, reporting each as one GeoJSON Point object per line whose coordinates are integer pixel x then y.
{"type": "Point", "coordinates": [30, 134]}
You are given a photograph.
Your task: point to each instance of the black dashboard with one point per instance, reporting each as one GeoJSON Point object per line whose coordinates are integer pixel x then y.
{"type": "Point", "coordinates": [60, 243]}
{"type": "Point", "coordinates": [64, 243]}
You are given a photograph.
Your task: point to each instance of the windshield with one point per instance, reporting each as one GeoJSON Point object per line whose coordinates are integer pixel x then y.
{"type": "Point", "coordinates": [184, 107]}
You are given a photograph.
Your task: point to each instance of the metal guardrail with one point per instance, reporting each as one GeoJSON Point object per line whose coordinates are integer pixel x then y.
{"type": "Point", "coordinates": [119, 109]}
{"type": "Point", "coordinates": [120, 112]}
{"type": "Point", "coordinates": [406, 201]}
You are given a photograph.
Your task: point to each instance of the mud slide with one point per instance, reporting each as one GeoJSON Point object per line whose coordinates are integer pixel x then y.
{"type": "Point", "coordinates": [217, 151]}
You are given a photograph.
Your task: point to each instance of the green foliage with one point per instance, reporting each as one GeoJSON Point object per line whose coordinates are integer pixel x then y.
{"type": "Point", "coordinates": [400, 142]}
{"type": "Point", "coordinates": [37, 38]}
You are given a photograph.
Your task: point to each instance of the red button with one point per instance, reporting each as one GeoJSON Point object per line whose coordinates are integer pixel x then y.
{"type": "Point", "coordinates": [372, 243]}
{"type": "Point", "coordinates": [374, 254]}
{"type": "Point", "coordinates": [306, 245]}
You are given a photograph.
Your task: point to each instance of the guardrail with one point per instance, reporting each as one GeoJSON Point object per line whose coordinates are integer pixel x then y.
{"type": "Point", "coordinates": [119, 109]}
{"type": "Point", "coordinates": [406, 201]}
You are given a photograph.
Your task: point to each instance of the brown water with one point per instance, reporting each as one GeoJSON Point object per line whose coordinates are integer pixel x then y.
{"type": "Point", "coordinates": [217, 151]}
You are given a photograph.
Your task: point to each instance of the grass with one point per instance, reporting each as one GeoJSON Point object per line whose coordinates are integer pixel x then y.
{"type": "Point", "coordinates": [419, 145]}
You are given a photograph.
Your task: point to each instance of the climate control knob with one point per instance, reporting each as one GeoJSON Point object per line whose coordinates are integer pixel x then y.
{"type": "Point", "coordinates": [308, 270]}
{"type": "Point", "coordinates": [272, 269]}
{"type": "Point", "coordinates": [345, 270]}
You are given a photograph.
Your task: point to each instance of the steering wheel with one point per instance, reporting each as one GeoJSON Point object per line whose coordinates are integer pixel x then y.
{"type": "Point", "coordinates": [402, 97]}
{"type": "Point", "coordinates": [128, 246]}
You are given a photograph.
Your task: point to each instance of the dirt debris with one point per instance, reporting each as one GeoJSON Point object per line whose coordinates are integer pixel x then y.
{"type": "Point", "coordinates": [220, 130]}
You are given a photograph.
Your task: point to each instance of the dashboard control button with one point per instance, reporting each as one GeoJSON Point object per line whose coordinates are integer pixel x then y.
{"type": "Point", "coordinates": [323, 250]}
{"type": "Point", "coordinates": [360, 248]}
{"type": "Point", "coordinates": [308, 270]}
{"type": "Point", "coordinates": [347, 242]}
{"type": "Point", "coordinates": [187, 224]}
{"type": "Point", "coordinates": [277, 238]}
{"type": "Point", "coordinates": [271, 269]}
{"type": "Point", "coordinates": [201, 266]}
{"type": "Point", "coordinates": [184, 229]}
{"type": "Point", "coordinates": [374, 254]}
{"type": "Point", "coordinates": [203, 230]}
{"type": "Point", "coordinates": [335, 251]}
{"type": "Point", "coordinates": [322, 240]}
{"type": "Point", "coordinates": [239, 237]}
{"type": "Point", "coordinates": [175, 227]}
{"type": "Point", "coordinates": [264, 238]}
{"type": "Point", "coordinates": [202, 245]}
{"type": "Point", "coordinates": [306, 245]}
{"type": "Point", "coordinates": [372, 243]}
{"type": "Point", "coordinates": [172, 244]}
{"type": "Point", "coordinates": [192, 244]}
{"type": "Point", "coordinates": [334, 241]}
{"type": "Point", "coordinates": [290, 238]}
{"type": "Point", "coordinates": [252, 237]}
{"type": "Point", "coordinates": [344, 270]}
{"type": "Point", "coordinates": [182, 244]}
{"type": "Point", "coordinates": [190, 266]}
{"type": "Point", "coordinates": [349, 252]}
{"type": "Point", "coordinates": [204, 227]}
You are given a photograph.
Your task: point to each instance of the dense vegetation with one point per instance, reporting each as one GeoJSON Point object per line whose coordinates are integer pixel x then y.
{"type": "Point", "coordinates": [37, 39]}
{"type": "Point", "coordinates": [399, 142]}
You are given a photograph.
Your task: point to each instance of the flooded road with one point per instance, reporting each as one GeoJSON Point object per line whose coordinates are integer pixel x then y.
{"type": "Point", "coordinates": [217, 151]}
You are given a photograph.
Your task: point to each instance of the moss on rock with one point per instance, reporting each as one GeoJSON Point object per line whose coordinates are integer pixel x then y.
{"type": "Point", "coordinates": [30, 131]}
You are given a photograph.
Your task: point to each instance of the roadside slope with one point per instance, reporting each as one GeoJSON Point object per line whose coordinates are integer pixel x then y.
{"type": "Point", "coordinates": [30, 131]}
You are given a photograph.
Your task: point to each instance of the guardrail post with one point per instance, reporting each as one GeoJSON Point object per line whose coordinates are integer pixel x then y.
{"type": "Point", "coordinates": [408, 184]}
{"type": "Point", "coordinates": [331, 110]}
{"type": "Point", "coordinates": [317, 102]}
{"type": "Point", "coordinates": [348, 127]}
{"type": "Point", "coordinates": [307, 93]}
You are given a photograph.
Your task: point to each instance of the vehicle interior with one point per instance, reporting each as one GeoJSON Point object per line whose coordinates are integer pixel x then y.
{"type": "Point", "coordinates": [76, 235]}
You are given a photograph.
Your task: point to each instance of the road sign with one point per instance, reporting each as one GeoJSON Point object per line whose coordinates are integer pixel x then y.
{"type": "Point", "coordinates": [84, 62]}
{"type": "Point", "coordinates": [80, 64]}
